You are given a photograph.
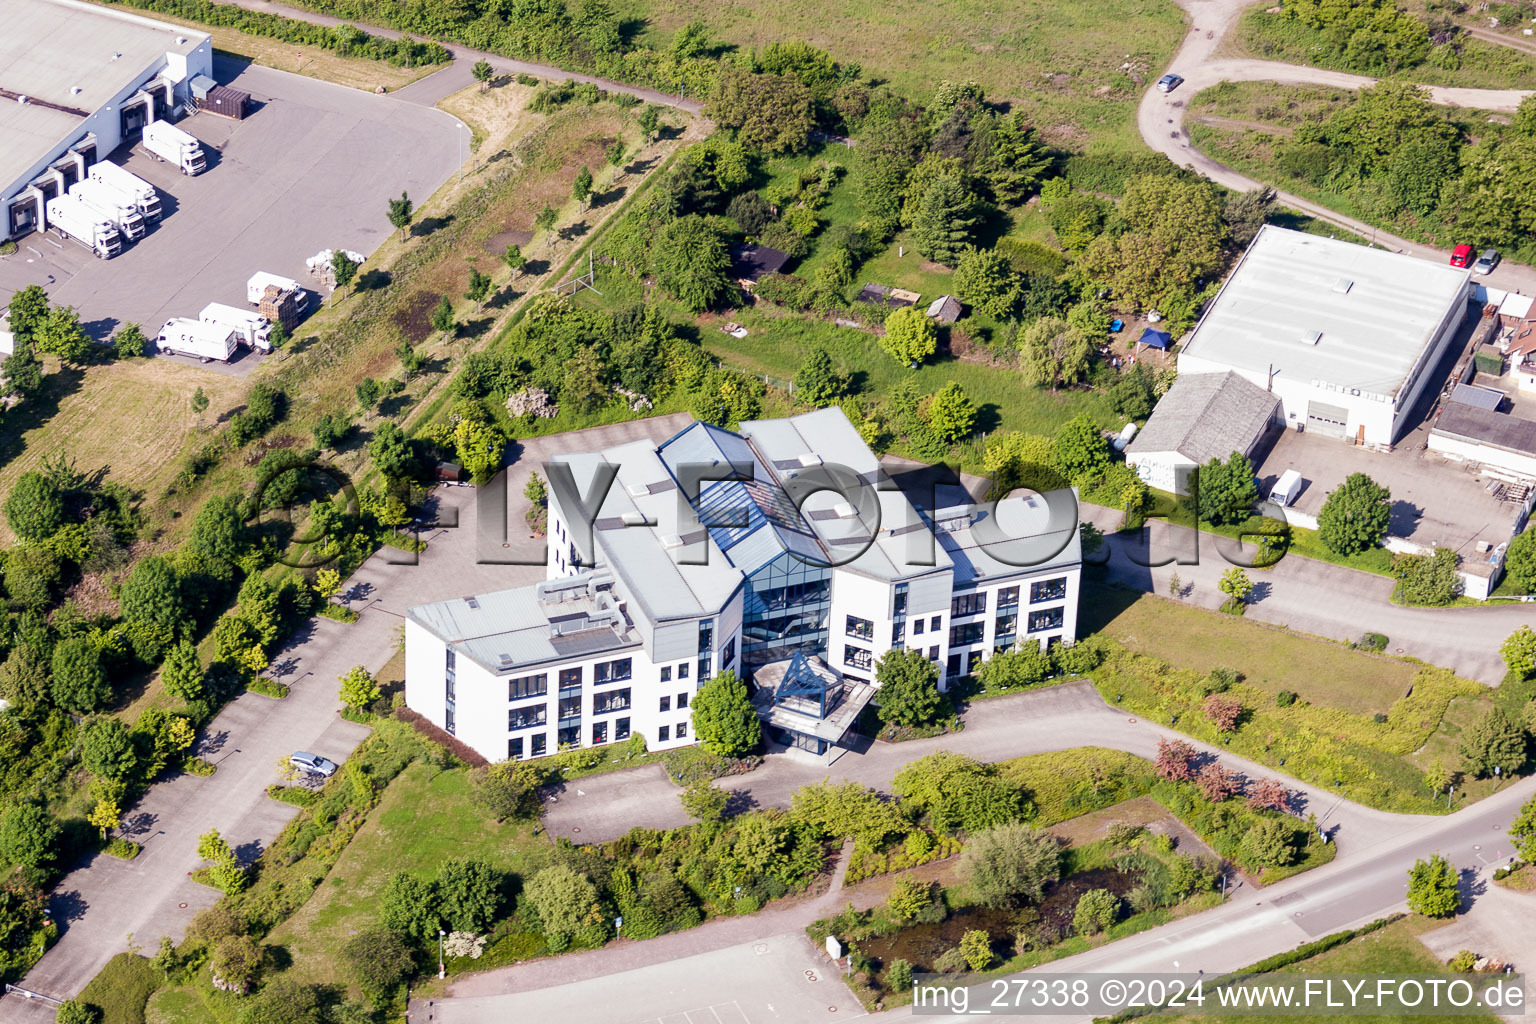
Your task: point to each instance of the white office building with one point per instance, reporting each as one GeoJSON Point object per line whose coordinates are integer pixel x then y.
{"type": "Point", "coordinates": [1345, 336]}
{"type": "Point", "coordinates": [801, 595]}
{"type": "Point", "coordinates": [76, 81]}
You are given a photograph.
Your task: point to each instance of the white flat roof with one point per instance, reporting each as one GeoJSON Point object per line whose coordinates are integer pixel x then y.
{"type": "Point", "coordinates": [1320, 309]}
{"type": "Point", "coordinates": [48, 48]}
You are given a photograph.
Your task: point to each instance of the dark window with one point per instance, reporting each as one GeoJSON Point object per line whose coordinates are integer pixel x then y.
{"type": "Point", "coordinates": [524, 687]}
{"type": "Point", "coordinates": [620, 729]}
{"type": "Point", "coordinates": [570, 707]}
{"type": "Point", "coordinates": [448, 686]}
{"type": "Point", "coordinates": [728, 655]}
{"type": "Point", "coordinates": [705, 665]}
{"type": "Point", "coordinates": [1048, 590]}
{"type": "Point", "coordinates": [682, 670]}
{"type": "Point", "coordinates": [966, 633]}
{"type": "Point", "coordinates": [917, 627]}
{"type": "Point", "coordinates": [901, 599]}
{"type": "Point", "coordinates": [666, 673]}
{"type": "Point", "coordinates": [569, 736]}
{"type": "Point", "coordinates": [666, 703]}
{"type": "Point", "coordinates": [450, 674]}
{"type": "Point", "coordinates": [539, 743]}
{"type": "Point", "coordinates": [448, 720]}
{"type": "Point", "coordinates": [570, 678]}
{"type": "Point", "coordinates": [599, 733]}
{"type": "Point", "coordinates": [934, 623]}
{"type": "Point", "coordinates": [528, 717]}
{"type": "Point", "coordinates": [1048, 618]}
{"type": "Point", "coordinates": [1008, 597]}
{"type": "Point", "coordinates": [953, 668]}
{"type": "Point", "coordinates": [855, 679]}
{"type": "Point", "coordinates": [1006, 628]}
{"type": "Point", "coordinates": [933, 654]}
{"type": "Point", "coordinates": [706, 635]}
{"type": "Point", "coordinates": [858, 657]}
{"type": "Point", "coordinates": [967, 604]}
{"type": "Point", "coordinates": [898, 632]}
{"type": "Point", "coordinates": [682, 730]}
{"type": "Point", "coordinates": [663, 733]}
{"type": "Point", "coordinates": [682, 701]}
{"type": "Point", "coordinates": [514, 748]}
{"type": "Point", "coordinates": [613, 700]}
{"type": "Point", "coordinates": [612, 671]}
{"type": "Point", "coordinates": [859, 629]}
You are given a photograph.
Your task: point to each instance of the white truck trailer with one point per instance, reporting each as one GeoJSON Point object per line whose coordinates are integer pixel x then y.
{"type": "Point", "coordinates": [73, 218]}
{"type": "Point", "coordinates": [126, 183]}
{"type": "Point", "coordinates": [256, 289]}
{"type": "Point", "coordinates": [119, 210]}
{"type": "Point", "coordinates": [254, 329]}
{"type": "Point", "coordinates": [186, 337]}
{"type": "Point", "coordinates": [168, 142]}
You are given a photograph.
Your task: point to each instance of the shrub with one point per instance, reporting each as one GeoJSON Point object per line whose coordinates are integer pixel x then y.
{"type": "Point", "coordinates": [1096, 910]}
{"type": "Point", "coordinates": [898, 976]}
{"type": "Point", "coordinates": [1010, 864]}
{"type": "Point", "coordinates": [909, 898]}
{"type": "Point", "coordinates": [976, 948]}
{"type": "Point", "coordinates": [1462, 961]}
{"type": "Point", "coordinates": [1285, 698]}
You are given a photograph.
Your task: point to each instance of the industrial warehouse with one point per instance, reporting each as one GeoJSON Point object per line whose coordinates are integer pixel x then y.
{"type": "Point", "coordinates": [76, 81]}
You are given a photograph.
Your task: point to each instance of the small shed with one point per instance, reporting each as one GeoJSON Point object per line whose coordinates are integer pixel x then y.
{"type": "Point", "coordinates": [1203, 416]}
{"type": "Point", "coordinates": [885, 295]}
{"type": "Point", "coordinates": [230, 103]}
{"type": "Point", "coordinates": [751, 263]}
{"type": "Point", "coordinates": [451, 472]}
{"type": "Point", "coordinates": [945, 309]}
{"type": "Point", "coordinates": [1153, 338]}
{"type": "Point", "coordinates": [1477, 396]}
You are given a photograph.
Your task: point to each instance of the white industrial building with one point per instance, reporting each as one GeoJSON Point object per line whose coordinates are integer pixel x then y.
{"type": "Point", "coordinates": [76, 81]}
{"type": "Point", "coordinates": [802, 598]}
{"type": "Point", "coordinates": [1346, 336]}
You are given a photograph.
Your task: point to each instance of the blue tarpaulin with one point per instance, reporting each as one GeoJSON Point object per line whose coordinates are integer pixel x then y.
{"type": "Point", "coordinates": [1155, 339]}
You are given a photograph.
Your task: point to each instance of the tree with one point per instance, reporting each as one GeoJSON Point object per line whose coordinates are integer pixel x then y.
{"type": "Point", "coordinates": [703, 801]}
{"type": "Point", "coordinates": [408, 905]}
{"type": "Point", "coordinates": [1269, 795]}
{"type": "Point", "coordinates": [400, 211]}
{"type": "Point", "coordinates": [1081, 451]}
{"type": "Point", "coordinates": [479, 287]}
{"type": "Point", "coordinates": [581, 188]}
{"type": "Point", "coordinates": [692, 262]}
{"type": "Point", "coordinates": [129, 342]}
{"type": "Point", "coordinates": [236, 963]}
{"type": "Point", "coordinates": [1015, 159]}
{"type": "Point", "coordinates": [1096, 910]}
{"type": "Point", "coordinates": [79, 681]}
{"type": "Point", "coordinates": [483, 73]}
{"type": "Point", "coordinates": [1428, 579]}
{"type": "Point", "coordinates": [21, 372]}
{"type": "Point", "coordinates": [106, 815]}
{"type": "Point", "coordinates": [358, 688]}
{"type": "Point", "coordinates": [565, 900]}
{"type": "Point", "coordinates": [1224, 491]}
{"type": "Point", "coordinates": [515, 260]}
{"type": "Point", "coordinates": [1236, 585]}
{"type": "Point", "coordinates": [35, 507]}
{"type": "Point", "coordinates": [343, 268]}
{"type": "Point", "coordinates": [1010, 864]}
{"type": "Point", "coordinates": [442, 315]}
{"type": "Point", "coordinates": [1223, 711]}
{"type": "Point", "coordinates": [908, 689]}
{"type": "Point", "coordinates": [479, 446]}
{"type": "Point", "coordinates": [1523, 831]}
{"type": "Point", "coordinates": [27, 836]}
{"type": "Point", "coordinates": [818, 381]}
{"type": "Point", "coordinates": [469, 892]}
{"type": "Point", "coordinates": [391, 452]}
{"type": "Point", "coordinates": [61, 335]}
{"type": "Point", "coordinates": [1493, 741]}
{"type": "Point", "coordinates": [910, 337]}
{"type": "Point", "coordinates": [546, 218]}
{"type": "Point", "coordinates": [768, 112]}
{"type": "Point", "coordinates": [199, 401]}
{"type": "Point", "coordinates": [1270, 842]}
{"type": "Point", "coordinates": [1175, 236]}
{"type": "Point", "coordinates": [182, 675]}
{"type": "Point", "coordinates": [1024, 664]}
{"type": "Point", "coordinates": [1432, 887]}
{"type": "Point", "coordinates": [976, 949]}
{"type": "Point", "coordinates": [1247, 212]}
{"type": "Point", "coordinates": [724, 718]}
{"type": "Point", "coordinates": [1175, 760]}
{"type": "Point", "coordinates": [1355, 516]}
{"type": "Point", "coordinates": [377, 959]}
{"type": "Point", "coordinates": [1520, 561]}
{"type": "Point", "coordinates": [152, 593]}
{"type": "Point", "coordinates": [73, 1011]}
{"type": "Point", "coordinates": [1519, 652]}
{"type": "Point", "coordinates": [28, 308]}
{"type": "Point", "coordinates": [649, 121]}
{"type": "Point", "coordinates": [218, 531]}
{"type": "Point", "coordinates": [957, 792]}
{"type": "Point", "coordinates": [1215, 782]}
{"type": "Point", "coordinates": [951, 413]}
{"type": "Point", "coordinates": [986, 280]}
{"type": "Point", "coordinates": [1053, 353]}
{"type": "Point", "coordinates": [106, 749]}
{"type": "Point", "coordinates": [946, 220]}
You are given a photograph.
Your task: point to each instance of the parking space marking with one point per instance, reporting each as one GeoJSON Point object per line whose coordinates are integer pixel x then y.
{"type": "Point", "coordinates": [719, 1013]}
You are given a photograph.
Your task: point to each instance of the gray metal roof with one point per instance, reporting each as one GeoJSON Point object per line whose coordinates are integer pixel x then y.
{"type": "Point", "coordinates": [1482, 398]}
{"type": "Point", "coordinates": [514, 629]}
{"type": "Point", "coordinates": [1041, 535]}
{"type": "Point", "coordinates": [1482, 426]}
{"type": "Point", "coordinates": [1206, 416]}
{"type": "Point", "coordinates": [74, 58]}
{"type": "Point", "coordinates": [1321, 310]}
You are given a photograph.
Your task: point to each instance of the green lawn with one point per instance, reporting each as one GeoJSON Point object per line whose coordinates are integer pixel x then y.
{"type": "Point", "coordinates": [1269, 658]}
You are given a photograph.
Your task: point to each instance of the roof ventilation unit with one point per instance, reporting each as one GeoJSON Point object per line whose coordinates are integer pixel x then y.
{"type": "Point", "coordinates": [1310, 337]}
{"type": "Point", "coordinates": [1343, 285]}
{"type": "Point", "coordinates": [473, 603]}
{"type": "Point", "coordinates": [634, 519]}
{"type": "Point", "coordinates": [844, 510]}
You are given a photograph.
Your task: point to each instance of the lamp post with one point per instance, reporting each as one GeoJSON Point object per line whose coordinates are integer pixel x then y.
{"type": "Point", "coordinates": [442, 970]}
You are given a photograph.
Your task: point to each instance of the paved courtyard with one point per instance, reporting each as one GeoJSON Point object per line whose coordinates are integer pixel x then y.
{"type": "Point", "coordinates": [309, 169]}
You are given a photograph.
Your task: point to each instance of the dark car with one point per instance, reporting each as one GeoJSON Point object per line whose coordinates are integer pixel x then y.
{"type": "Point", "coordinates": [1169, 82]}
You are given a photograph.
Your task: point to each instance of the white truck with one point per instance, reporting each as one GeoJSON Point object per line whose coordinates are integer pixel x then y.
{"type": "Point", "coordinates": [119, 210]}
{"type": "Point", "coordinates": [256, 288]}
{"type": "Point", "coordinates": [1287, 489]}
{"type": "Point", "coordinates": [126, 183]}
{"type": "Point", "coordinates": [182, 336]}
{"type": "Point", "coordinates": [72, 217]}
{"type": "Point", "coordinates": [253, 329]}
{"type": "Point", "coordinates": [168, 142]}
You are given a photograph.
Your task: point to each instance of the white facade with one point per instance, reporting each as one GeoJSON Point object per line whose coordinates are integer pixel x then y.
{"type": "Point", "coordinates": [633, 620]}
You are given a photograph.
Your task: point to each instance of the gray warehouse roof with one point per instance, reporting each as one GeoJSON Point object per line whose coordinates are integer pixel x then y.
{"type": "Point", "coordinates": [1316, 309]}
{"type": "Point", "coordinates": [1482, 426]}
{"type": "Point", "coordinates": [70, 59]}
{"type": "Point", "coordinates": [1206, 416]}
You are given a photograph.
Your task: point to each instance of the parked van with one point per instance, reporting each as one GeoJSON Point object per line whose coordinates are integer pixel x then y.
{"type": "Point", "coordinates": [1287, 489]}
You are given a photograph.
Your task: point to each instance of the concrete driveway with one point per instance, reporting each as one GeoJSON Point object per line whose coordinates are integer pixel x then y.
{"type": "Point", "coordinates": [310, 169]}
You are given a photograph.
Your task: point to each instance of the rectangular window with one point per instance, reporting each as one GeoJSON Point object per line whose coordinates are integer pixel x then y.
{"type": "Point", "coordinates": [540, 745]}
{"type": "Point", "coordinates": [570, 708]}
{"type": "Point", "coordinates": [570, 679]}
{"type": "Point", "coordinates": [706, 635]}
{"type": "Point", "coordinates": [858, 657]}
{"type": "Point", "coordinates": [1008, 597]}
{"type": "Point", "coordinates": [728, 655]}
{"type": "Point", "coordinates": [666, 673]}
{"type": "Point", "coordinates": [705, 665]}
{"type": "Point", "coordinates": [448, 720]}
{"type": "Point", "coordinates": [599, 733]}
{"type": "Point", "coordinates": [663, 733]}
{"type": "Point", "coordinates": [448, 688]}
{"type": "Point", "coordinates": [450, 659]}
{"type": "Point", "coordinates": [933, 654]}
{"type": "Point", "coordinates": [527, 717]}
{"type": "Point", "coordinates": [524, 687]}
{"type": "Point", "coordinates": [952, 670]}
{"type": "Point", "coordinates": [901, 599]}
{"type": "Point", "coordinates": [682, 701]}
{"type": "Point", "coordinates": [1006, 628]}
{"type": "Point", "coordinates": [859, 629]}
{"type": "Point", "coordinates": [917, 627]}
{"type": "Point", "coordinates": [620, 729]}
{"type": "Point", "coordinates": [1048, 590]}
{"type": "Point", "coordinates": [682, 670]}
{"type": "Point", "coordinates": [682, 730]}
{"type": "Point", "coordinates": [967, 604]}
{"type": "Point", "coordinates": [569, 736]}
{"type": "Point", "coordinates": [935, 623]}
{"type": "Point", "coordinates": [966, 633]}
{"type": "Point", "coordinates": [612, 671]}
{"type": "Point", "coordinates": [515, 748]}
{"type": "Point", "coordinates": [613, 700]}
{"type": "Point", "coordinates": [666, 703]}
{"type": "Point", "coordinates": [898, 632]}
{"type": "Point", "coordinates": [1047, 618]}
{"type": "Point", "coordinates": [450, 675]}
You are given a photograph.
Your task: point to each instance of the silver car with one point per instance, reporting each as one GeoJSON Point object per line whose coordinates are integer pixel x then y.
{"type": "Point", "coordinates": [314, 764]}
{"type": "Point", "coordinates": [1169, 82]}
{"type": "Point", "coordinates": [1486, 262]}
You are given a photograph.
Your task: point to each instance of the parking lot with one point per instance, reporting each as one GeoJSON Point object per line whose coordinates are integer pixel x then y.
{"type": "Point", "coordinates": [311, 168]}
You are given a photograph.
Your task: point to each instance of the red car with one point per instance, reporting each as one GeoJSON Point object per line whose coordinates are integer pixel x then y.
{"type": "Point", "coordinates": [1461, 256]}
